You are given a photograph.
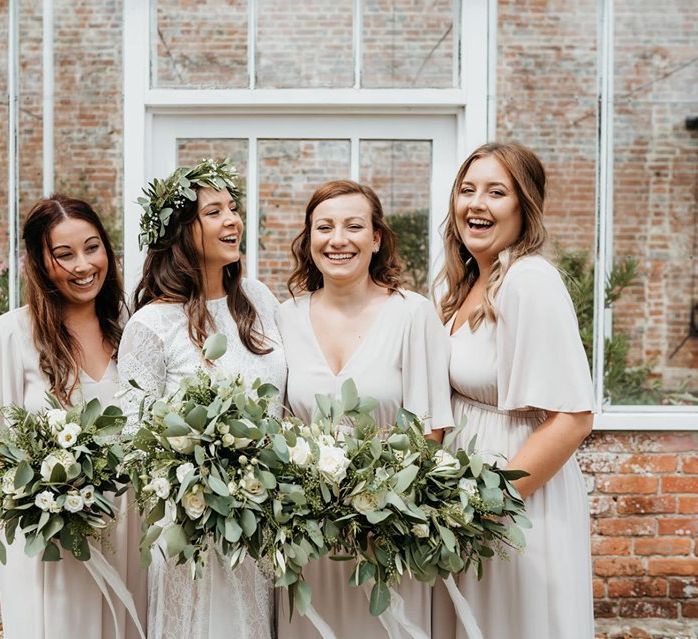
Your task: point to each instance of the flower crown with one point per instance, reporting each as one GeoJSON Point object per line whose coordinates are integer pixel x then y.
{"type": "Point", "coordinates": [162, 197]}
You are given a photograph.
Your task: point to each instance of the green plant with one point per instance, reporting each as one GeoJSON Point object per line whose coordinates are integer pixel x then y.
{"type": "Point", "coordinates": [4, 288]}
{"type": "Point", "coordinates": [412, 231]}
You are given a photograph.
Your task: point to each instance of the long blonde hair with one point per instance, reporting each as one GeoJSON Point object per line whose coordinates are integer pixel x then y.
{"type": "Point", "coordinates": [460, 269]}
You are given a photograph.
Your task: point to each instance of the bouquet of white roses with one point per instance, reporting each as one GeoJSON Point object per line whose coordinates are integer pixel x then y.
{"type": "Point", "coordinates": [203, 465]}
{"type": "Point", "coordinates": [57, 466]}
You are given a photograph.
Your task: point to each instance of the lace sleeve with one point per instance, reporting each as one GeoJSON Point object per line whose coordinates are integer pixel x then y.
{"type": "Point", "coordinates": [141, 359]}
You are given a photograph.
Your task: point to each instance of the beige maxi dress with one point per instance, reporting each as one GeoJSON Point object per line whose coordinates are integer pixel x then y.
{"type": "Point", "coordinates": [402, 362]}
{"type": "Point", "coordinates": [505, 376]}
{"type": "Point", "coordinates": [55, 600]}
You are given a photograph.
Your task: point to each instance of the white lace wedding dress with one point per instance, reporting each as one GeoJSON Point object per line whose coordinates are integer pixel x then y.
{"type": "Point", "coordinates": [156, 353]}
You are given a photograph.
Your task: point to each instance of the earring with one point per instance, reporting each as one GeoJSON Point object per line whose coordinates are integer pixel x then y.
{"type": "Point", "coordinates": [376, 248]}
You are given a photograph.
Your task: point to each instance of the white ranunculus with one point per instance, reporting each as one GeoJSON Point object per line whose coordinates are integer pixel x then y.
{"type": "Point", "coordinates": [223, 429]}
{"type": "Point", "coordinates": [194, 503]}
{"type": "Point", "coordinates": [333, 463]}
{"type": "Point", "coordinates": [444, 459]}
{"type": "Point", "coordinates": [88, 495]}
{"type": "Point", "coordinates": [44, 500]}
{"type": "Point", "coordinates": [365, 503]}
{"type": "Point", "coordinates": [160, 486]}
{"type": "Point", "coordinates": [252, 488]}
{"type": "Point", "coordinates": [300, 453]}
{"type": "Point", "coordinates": [182, 444]}
{"type": "Point", "coordinates": [183, 470]}
{"type": "Point", "coordinates": [56, 418]}
{"type": "Point", "coordinates": [68, 435]}
{"type": "Point", "coordinates": [420, 530]}
{"type": "Point", "coordinates": [62, 457]}
{"type": "Point", "coordinates": [73, 503]}
{"type": "Point", "coordinates": [468, 486]}
{"type": "Point", "coordinates": [228, 440]}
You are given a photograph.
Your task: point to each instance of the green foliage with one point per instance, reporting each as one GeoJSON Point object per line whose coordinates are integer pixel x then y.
{"type": "Point", "coordinates": [412, 231]}
{"type": "Point", "coordinates": [4, 288]}
{"type": "Point", "coordinates": [623, 383]}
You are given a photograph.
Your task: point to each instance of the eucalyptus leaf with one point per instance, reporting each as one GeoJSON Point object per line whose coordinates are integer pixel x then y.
{"type": "Point", "coordinates": [175, 539]}
{"type": "Point", "coordinates": [215, 345]}
{"type": "Point", "coordinates": [23, 475]}
{"type": "Point", "coordinates": [196, 418]}
{"type": "Point", "coordinates": [380, 598]}
{"type": "Point", "coordinates": [233, 531]}
{"type": "Point", "coordinates": [476, 464]}
{"type": "Point", "coordinates": [350, 395]}
{"type": "Point", "coordinates": [218, 486]}
{"type": "Point", "coordinates": [51, 553]}
{"type": "Point", "coordinates": [302, 596]}
{"type": "Point", "coordinates": [90, 413]}
{"type": "Point", "coordinates": [248, 522]}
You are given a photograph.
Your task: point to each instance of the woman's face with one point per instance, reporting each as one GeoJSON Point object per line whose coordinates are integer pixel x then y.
{"type": "Point", "coordinates": [218, 234]}
{"type": "Point", "coordinates": [487, 210]}
{"type": "Point", "coordinates": [342, 239]}
{"type": "Point", "coordinates": [76, 260]}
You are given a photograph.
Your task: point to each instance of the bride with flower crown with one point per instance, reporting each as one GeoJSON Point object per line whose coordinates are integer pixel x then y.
{"type": "Point", "coordinates": [192, 287]}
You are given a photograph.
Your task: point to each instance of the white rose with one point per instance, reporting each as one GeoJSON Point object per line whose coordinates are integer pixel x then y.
{"type": "Point", "coordinates": [55, 507]}
{"type": "Point", "coordinates": [444, 459]}
{"type": "Point", "coordinates": [468, 486]}
{"type": "Point", "coordinates": [194, 503]}
{"type": "Point", "coordinates": [62, 457]}
{"type": "Point", "coordinates": [365, 503]}
{"type": "Point", "coordinates": [223, 429]}
{"type": "Point", "coordinates": [160, 486]}
{"type": "Point", "coordinates": [56, 417]}
{"type": "Point", "coordinates": [253, 489]}
{"type": "Point", "coordinates": [300, 453]}
{"type": "Point", "coordinates": [420, 530]}
{"type": "Point", "coordinates": [333, 463]}
{"type": "Point", "coordinates": [73, 503]}
{"type": "Point", "coordinates": [183, 470]}
{"type": "Point", "coordinates": [228, 440]}
{"type": "Point", "coordinates": [44, 500]}
{"type": "Point", "coordinates": [88, 495]}
{"type": "Point", "coordinates": [182, 444]}
{"type": "Point", "coordinates": [69, 435]}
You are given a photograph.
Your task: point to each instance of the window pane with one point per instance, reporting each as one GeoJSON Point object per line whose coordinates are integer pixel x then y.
{"type": "Point", "coordinates": [199, 44]}
{"type": "Point", "coordinates": [289, 172]}
{"type": "Point", "coordinates": [655, 218]}
{"type": "Point", "coordinates": [304, 44]}
{"type": "Point", "coordinates": [408, 44]}
{"type": "Point", "coordinates": [400, 172]}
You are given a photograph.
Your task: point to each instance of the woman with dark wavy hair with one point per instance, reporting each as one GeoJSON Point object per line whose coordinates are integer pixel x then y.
{"type": "Point", "coordinates": [355, 321]}
{"type": "Point", "coordinates": [64, 342]}
{"type": "Point", "coordinates": [192, 287]}
{"type": "Point", "coordinates": [521, 381]}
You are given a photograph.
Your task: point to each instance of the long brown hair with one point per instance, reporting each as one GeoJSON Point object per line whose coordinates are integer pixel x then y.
{"type": "Point", "coordinates": [385, 268]}
{"type": "Point", "coordinates": [460, 269]}
{"type": "Point", "coordinates": [173, 273]}
{"type": "Point", "coordinates": [59, 351]}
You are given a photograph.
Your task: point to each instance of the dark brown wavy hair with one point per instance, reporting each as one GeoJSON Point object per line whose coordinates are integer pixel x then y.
{"type": "Point", "coordinates": [385, 268]}
{"type": "Point", "coordinates": [460, 270]}
{"type": "Point", "coordinates": [59, 352]}
{"type": "Point", "coordinates": [173, 273]}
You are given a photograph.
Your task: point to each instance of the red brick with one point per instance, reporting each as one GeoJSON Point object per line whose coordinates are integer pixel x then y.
{"type": "Point", "coordinates": [642, 587]}
{"type": "Point", "coordinates": [689, 609]}
{"type": "Point", "coordinates": [599, 586]}
{"type": "Point", "coordinates": [685, 566]}
{"type": "Point", "coordinates": [649, 608]}
{"type": "Point", "coordinates": [610, 546]}
{"type": "Point", "coordinates": [678, 526]}
{"type": "Point", "coordinates": [618, 567]}
{"type": "Point", "coordinates": [604, 609]}
{"type": "Point", "coordinates": [648, 463]}
{"type": "Point", "coordinates": [655, 504]}
{"type": "Point", "coordinates": [679, 484]}
{"type": "Point", "coordinates": [626, 484]}
{"type": "Point", "coordinates": [663, 546]}
{"type": "Point", "coordinates": [633, 526]}
{"type": "Point", "coordinates": [688, 505]}
{"type": "Point", "coordinates": [683, 588]}
{"type": "Point", "coordinates": [690, 464]}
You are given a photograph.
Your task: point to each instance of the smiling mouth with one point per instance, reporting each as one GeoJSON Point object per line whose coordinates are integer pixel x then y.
{"type": "Point", "coordinates": [85, 281]}
{"type": "Point", "coordinates": [339, 258]}
{"type": "Point", "coordinates": [230, 239]}
{"type": "Point", "coordinates": [479, 223]}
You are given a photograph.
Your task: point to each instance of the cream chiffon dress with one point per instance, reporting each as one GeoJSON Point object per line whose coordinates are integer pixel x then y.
{"type": "Point", "coordinates": [55, 600]}
{"type": "Point", "coordinates": [505, 376]}
{"type": "Point", "coordinates": [402, 362]}
{"type": "Point", "coordinates": [157, 353]}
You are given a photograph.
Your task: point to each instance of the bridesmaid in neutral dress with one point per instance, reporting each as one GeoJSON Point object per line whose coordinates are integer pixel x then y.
{"type": "Point", "coordinates": [64, 342]}
{"type": "Point", "coordinates": [521, 379]}
{"type": "Point", "coordinates": [354, 321]}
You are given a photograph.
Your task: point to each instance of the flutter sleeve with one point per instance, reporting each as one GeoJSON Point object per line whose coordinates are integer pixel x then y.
{"type": "Point", "coordinates": [141, 359]}
{"type": "Point", "coordinates": [541, 362]}
{"type": "Point", "coordinates": [426, 391]}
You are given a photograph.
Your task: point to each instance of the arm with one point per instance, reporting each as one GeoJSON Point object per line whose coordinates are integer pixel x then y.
{"type": "Point", "coordinates": [549, 447]}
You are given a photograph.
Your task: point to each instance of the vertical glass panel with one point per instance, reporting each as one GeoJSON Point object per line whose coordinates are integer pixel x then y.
{"type": "Point", "coordinates": [546, 99]}
{"type": "Point", "coordinates": [304, 44]}
{"type": "Point", "coordinates": [408, 44]}
{"type": "Point", "coordinates": [655, 215]}
{"type": "Point", "coordinates": [289, 172]}
{"type": "Point", "coordinates": [199, 44]}
{"type": "Point", "coordinates": [190, 151]}
{"type": "Point", "coordinates": [400, 173]}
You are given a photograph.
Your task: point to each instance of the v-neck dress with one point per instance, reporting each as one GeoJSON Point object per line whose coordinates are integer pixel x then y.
{"type": "Point", "coordinates": [53, 600]}
{"type": "Point", "coordinates": [401, 362]}
{"type": "Point", "coordinates": [506, 376]}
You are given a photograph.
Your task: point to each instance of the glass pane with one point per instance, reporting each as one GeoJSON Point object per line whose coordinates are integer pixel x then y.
{"type": "Point", "coordinates": [654, 358]}
{"type": "Point", "coordinates": [400, 173]}
{"type": "Point", "coordinates": [304, 44]}
{"type": "Point", "coordinates": [289, 172]}
{"type": "Point", "coordinates": [408, 44]}
{"type": "Point", "coordinates": [199, 44]}
{"type": "Point", "coordinates": [190, 151]}
{"type": "Point", "coordinates": [546, 99]}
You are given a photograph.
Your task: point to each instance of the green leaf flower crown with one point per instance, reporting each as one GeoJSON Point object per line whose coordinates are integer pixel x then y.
{"type": "Point", "coordinates": [162, 197]}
